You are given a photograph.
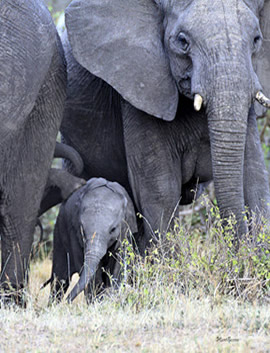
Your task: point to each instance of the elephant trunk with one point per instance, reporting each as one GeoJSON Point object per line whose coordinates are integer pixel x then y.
{"type": "Point", "coordinates": [94, 252]}
{"type": "Point", "coordinates": [64, 151]}
{"type": "Point", "coordinates": [227, 111]}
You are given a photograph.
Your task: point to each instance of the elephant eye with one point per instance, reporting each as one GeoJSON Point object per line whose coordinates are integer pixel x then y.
{"type": "Point", "coordinates": [112, 230]}
{"type": "Point", "coordinates": [257, 42]}
{"type": "Point", "coordinates": [257, 39]}
{"type": "Point", "coordinates": [82, 234]}
{"type": "Point", "coordinates": [183, 42]}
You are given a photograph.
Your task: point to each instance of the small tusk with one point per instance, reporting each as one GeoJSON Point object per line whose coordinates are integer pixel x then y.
{"type": "Point", "coordinates": [198, 101]}
{"type": "Point", "coordinates": [263, 100]}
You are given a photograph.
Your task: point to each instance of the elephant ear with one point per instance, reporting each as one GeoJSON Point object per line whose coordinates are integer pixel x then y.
{"type": "Point", "coordinates": [27, 39]}
{"type": "Point", "coordinates": [95, 183]}
{"type": "Point", "coordinates": [263, 60]}
{"type": "Point", "coordinates": [130, 215]}
{"type": "Point", "coordinates": [120, 41]}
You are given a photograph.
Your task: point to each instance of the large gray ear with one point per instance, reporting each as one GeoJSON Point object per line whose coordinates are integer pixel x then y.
{"type": "Point", "coordinates": [130, 216]}
{"type": "Point", "coordinates": [263, 61]}
{"type": "Point", "coordinates": [27, 38]}
{"type": "Point", "coordinates": [120, 41]}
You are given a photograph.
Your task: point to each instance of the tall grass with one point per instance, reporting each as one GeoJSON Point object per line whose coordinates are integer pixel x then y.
{"type": "Point", "coordinates": [200, 263]}
{"type": "Point", "coordinates": [192, 292]}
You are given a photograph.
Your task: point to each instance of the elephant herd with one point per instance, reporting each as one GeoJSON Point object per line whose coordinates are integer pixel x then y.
{"type": "Point", "coordinates": [153, 99]}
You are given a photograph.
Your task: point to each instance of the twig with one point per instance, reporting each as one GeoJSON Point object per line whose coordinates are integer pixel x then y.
{"type": "Point", "coordinates": [266, 124]}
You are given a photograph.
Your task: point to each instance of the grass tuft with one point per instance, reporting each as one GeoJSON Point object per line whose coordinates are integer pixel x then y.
{"type": "Point", "coordinates": [191, 293]}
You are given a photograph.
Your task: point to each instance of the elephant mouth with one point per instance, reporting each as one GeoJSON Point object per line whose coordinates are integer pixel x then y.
{"type": "Point", "coordinates": [184, 85]}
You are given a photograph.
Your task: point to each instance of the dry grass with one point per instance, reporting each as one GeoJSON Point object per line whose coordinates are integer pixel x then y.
{"type": "Point", "coordinates": [190, 294]}
{"type": "Point", "coordinates": [163, 321]}
{"type": "Point", "coordinates": [177, 323]}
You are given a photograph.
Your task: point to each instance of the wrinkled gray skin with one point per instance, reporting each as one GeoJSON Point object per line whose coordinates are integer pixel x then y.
{"type": "Point", "coordinates": [94, 219]}
{"type": "Point", "coordinates": [61, 184]}
{"type": "Point", "coordinates": [32, 93]}
{"type": "Point", "coordinates": [134, 67]}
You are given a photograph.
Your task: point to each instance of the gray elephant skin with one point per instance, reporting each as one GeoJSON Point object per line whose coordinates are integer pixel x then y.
{"type": "Point", "coordinates": [161, 95]}
{"type": "Point", "coordinates": [60, 183]}
{"type": "Point", "coordinates": [32, 91]}
{"type": "Point", "coordinates": [94, 219]}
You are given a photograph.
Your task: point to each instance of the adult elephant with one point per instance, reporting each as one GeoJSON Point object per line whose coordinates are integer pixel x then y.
{"type": "Point", "coordinates": [161, 94]}
{"type": "Point", "coordinates": [32, 94]}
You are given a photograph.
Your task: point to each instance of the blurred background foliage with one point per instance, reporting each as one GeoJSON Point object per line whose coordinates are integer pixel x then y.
{"type": "Point", "coordinates": [57, 5]}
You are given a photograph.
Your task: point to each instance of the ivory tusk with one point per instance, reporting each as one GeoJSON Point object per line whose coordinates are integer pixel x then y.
{"type": "Point", "coordinates": [198, 101]}
{"type": "Point", "coordinates": [263, 100]}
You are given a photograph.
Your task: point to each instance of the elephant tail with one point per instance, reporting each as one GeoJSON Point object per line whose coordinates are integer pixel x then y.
{"type": "Point", "coordinates": [65, 151]}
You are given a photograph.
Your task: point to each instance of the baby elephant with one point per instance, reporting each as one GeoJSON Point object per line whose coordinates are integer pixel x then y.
{"type": "Point", "coordinates": [92, 220]}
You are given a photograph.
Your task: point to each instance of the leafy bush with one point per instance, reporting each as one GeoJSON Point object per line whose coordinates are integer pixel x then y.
{"type": "Point", "coordinates": [189, 261]}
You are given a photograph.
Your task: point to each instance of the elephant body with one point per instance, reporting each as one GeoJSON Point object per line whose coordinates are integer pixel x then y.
{"type": "Point", "coordinates": [32, 90]}
{"type": "Point", "coordinates": [104, 128]}
{"type": "Point", "coordinates": [134, 68]}
{"type": "Point", "coordinates": [94, 219]}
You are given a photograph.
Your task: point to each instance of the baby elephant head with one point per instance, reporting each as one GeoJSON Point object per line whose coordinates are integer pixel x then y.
{"type": "Point", "coordinates": [105, 215]}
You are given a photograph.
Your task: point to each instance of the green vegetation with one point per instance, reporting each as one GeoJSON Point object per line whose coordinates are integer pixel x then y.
{"type": "Point", "coordinates": [190, 261]}
{"type": "Point", "coordinates": [191, 293]}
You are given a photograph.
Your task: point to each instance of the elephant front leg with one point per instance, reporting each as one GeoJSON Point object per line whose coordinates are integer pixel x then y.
{"type": "Point", "coordinates": [15, 259]}
{"type": "Point", "coordinates": [154, 172]}
{"type": "Point", "coordinates": [256, 183]}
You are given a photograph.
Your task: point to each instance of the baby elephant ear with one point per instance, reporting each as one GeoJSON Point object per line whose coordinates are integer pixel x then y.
{"type": "Point", "coordinates": [130, 215]}
{"type": "Point", "coordinates": [94, 183]}
{"type": "Point", "coordinates": [263, 61]}
{"type": "Point", "coordinates": [120, 41]}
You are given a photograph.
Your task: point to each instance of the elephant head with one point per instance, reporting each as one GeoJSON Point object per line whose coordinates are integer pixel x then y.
{"type": "Point", "coordinates": [215, 52]}
{"type": "Point", "coordinates": [105, 214]}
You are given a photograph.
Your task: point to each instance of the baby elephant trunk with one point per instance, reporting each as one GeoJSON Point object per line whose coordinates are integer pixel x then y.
{"type": "Point", "coordinates": [93, 254]}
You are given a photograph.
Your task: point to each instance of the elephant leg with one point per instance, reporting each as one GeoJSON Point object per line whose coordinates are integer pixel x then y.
{"type": "Point", "coordinates": [15, 259]}
{"type": "Point", "coordinates": [18, 215]}
{"type": "Point", "coordinates": [154, 171]}
{"type": "Point", "coordinates": [18, 212]}
{"type": "Point", "coordinates": [61, 277]}
{"type": "Point", "coordinates": [256, 183]}
{"type": "Point", "coordinates": [25, 166]}
{"type": "Point", "coordinates": [63, 268]}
